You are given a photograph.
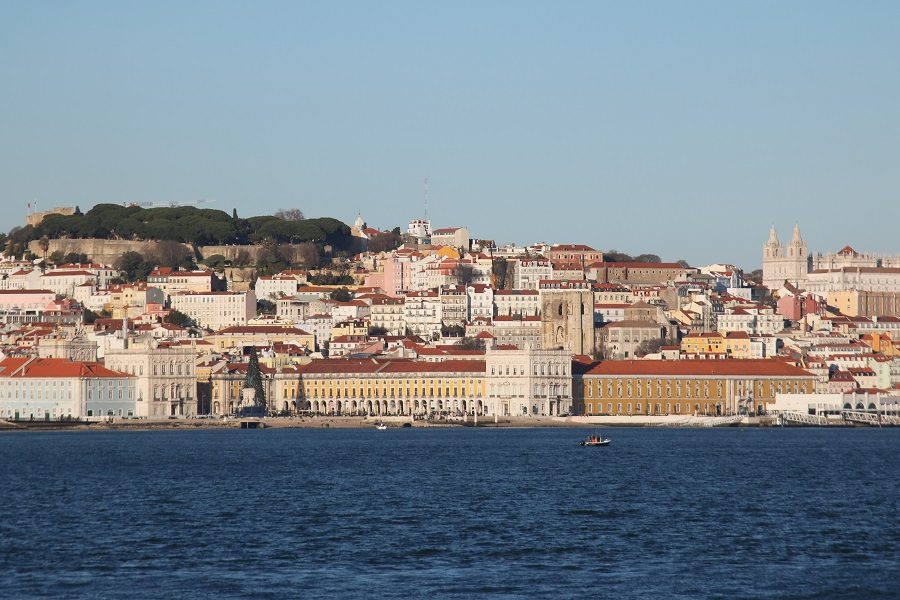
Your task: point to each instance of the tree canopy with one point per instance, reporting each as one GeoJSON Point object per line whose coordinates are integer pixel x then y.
{"type": "Point", "coordinates": [186, 224]}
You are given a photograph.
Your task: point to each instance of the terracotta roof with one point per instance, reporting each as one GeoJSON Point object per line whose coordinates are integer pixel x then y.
{"type": "Point", "coordinates": [723, 368]}
{"type": "Point", "coordinates": [55, 367]}
{"type": "Point", "coordinates": [450, 351]}
{"type": "Point", "coordinates": [67, 273]}
{"type": "Point", "coordinates": [571, 248]}
{"type": "Point", "coordinates": [339, 365]}
{"type": "Point", "coordinates": [741, 335]}
{"type": "Point", "coordinates": [13, 292]}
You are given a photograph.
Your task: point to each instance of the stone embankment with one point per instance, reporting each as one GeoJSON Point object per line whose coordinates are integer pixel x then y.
{"type": "Point", "coordinates": [108, 251]}
{"type": "Point", "coordinates": [325, 422]}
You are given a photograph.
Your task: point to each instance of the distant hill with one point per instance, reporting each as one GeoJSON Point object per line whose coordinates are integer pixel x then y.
{"type": "Point", "coordinates": [187, 224]}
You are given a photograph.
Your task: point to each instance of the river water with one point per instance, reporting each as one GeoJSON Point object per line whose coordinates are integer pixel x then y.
{"type": "Point", "coordinates": [451, 513]}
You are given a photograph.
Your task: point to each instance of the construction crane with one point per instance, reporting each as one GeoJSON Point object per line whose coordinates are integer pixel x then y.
{"type": "Point", "coordinates": [168, 204]}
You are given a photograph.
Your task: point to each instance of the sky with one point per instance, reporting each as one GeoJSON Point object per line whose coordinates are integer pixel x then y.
{"type": "Point", "coordinates": [683, 129]}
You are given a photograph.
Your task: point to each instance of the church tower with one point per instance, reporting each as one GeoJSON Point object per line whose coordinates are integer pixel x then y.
{"type": "Point", "coordinates": [785, 263]}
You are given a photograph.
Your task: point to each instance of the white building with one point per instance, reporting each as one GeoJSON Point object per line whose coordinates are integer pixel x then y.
{"type": "Point", "coordinates": [172, 282]}
{"type": "Point", "coordinates": [481, 301]}
{"type": "Point", "coordinates": [64, 282]}
{"type": "Point", "coordinates": [44, 389]}
{"type": "Point", "coordinates": [609, 312]}
{"type": "Point", "coordinates": [388, 313]}
{"type": "Point", "coordinates": [420, 229]}
{"type": "Point", "coordinates": [752, 319]}
{"type": "Point", "coordinates": [165, 375]}
{"type": "Point", "coordinates": [455, 237]}
{"type": "Point", "coordinates": [530, 272]}
{"type": "Point", "coordinates": [422, 313]}
{"type": "Point", "coordinates": [525, 303]}
{"type": "Point", "coordinates": [273, 287]}
{"type": "Point", "coordinates": [320, 326]}
{"type": "Point", "coordinates": [528, 382]}
{"type": "Point", "coordinates": [216, 310]}
{"type": "Point", "coordinates": [296, 310]}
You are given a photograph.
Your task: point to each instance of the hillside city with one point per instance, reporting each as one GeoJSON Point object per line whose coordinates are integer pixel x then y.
{"type": "Point", "coordinates": [157, 313]}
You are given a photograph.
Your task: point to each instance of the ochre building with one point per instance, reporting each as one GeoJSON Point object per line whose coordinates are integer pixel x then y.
{"type": "Point", "coordinates": [688, 387]}
{"type": "Point", "coordinates": [392, 387]}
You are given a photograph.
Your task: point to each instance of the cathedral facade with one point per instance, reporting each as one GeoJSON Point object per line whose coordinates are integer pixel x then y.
{"type": "Point", "coordinates": [567, 316]}
{"type": "Point", "coordinates": [845, 269]}
{"type": "Point", "coordinates": [782, 262]}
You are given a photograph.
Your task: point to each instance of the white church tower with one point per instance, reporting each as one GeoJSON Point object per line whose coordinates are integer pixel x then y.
{"type": "Point", "coordinates": [785, 263]}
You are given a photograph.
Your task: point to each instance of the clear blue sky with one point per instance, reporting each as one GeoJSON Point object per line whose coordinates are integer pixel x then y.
{"type": "Point", "coordinates": [679, 128]}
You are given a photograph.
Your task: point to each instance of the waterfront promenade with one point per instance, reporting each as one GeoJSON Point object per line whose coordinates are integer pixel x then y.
{"type": "Point", "coordinates": [351, 422]}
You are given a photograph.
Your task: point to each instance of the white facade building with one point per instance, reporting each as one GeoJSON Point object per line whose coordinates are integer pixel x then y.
{"type": "Point", "coordinates": [528, 382]}
{"type": "Point", "coordinates": [481, 301]}
{"type": "Point", "coordinates": [422, 313]}
{"type": "Point", "coordinates": [216, 310]}
{"type": "Point", "coordinates": [273, 287]}
{"type": "Point", "coordinates": [530, 272]}
{"type": "Point", "coordinates": [166, 377]}
{"type": "Point", "coordinates": [525, 303]}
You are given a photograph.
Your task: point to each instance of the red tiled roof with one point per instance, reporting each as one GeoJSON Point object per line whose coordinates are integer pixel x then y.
{"type": "Point", "coordinates": [67, 273]}
{"type": "Point", "coordinates": [55, 367]}
{"type": "Point", "coordinates": [340, 365]}
{"type": "Point", "coordinates": [11, 292]}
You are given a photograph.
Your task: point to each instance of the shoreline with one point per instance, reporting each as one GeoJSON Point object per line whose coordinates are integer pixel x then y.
{"type": "Point", "coordinates": [335, 422]}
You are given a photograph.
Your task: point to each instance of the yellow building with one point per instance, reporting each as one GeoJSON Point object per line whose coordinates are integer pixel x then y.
{"type": "Point", "coordinates": [865, 303]}
{"type": "Point", "coordinates": [687, 387]}
{"type": "Point", "coordinates": [280, 386]}
{"type": "Point", "coordinates": [737, 344]}
{"type": "Point", "coordinates": [703, 343]}
{"type": "Point", "coordinates": [240, 336]}
{"type": "Point", "coordinates": [448, 252]}
{"type": "Point", "coordinates": [352, 327]}
{"type": "Point", "coordinates": [881, 343]}
{"type": "Point", "coordinates": [393, 387]}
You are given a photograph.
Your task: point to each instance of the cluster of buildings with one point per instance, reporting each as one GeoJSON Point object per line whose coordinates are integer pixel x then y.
{"type": "Point", "coordinates": [449, 325]}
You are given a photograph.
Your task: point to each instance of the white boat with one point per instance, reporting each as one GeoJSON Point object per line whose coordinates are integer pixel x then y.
{"type": "Point", "coordinates": [380, 426]}
{"type": "Point", "coordinates": [596, 440]}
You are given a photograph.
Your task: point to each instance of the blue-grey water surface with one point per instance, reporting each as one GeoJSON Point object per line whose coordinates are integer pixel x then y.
{"type": "Point", "coordinates": [451, 513]}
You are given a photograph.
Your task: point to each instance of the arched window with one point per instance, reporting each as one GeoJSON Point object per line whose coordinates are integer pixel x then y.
{"type": "Point", "coordinates": [560, 310]}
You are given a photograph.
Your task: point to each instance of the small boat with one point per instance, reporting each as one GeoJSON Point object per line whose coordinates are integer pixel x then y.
{"type": "Point", "coordinates": [595, 441]}
{"type": "Point", "coordinates": [380, 426]}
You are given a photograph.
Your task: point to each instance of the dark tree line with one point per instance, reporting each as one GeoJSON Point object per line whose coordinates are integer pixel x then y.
{"type": "Point", "coordinates": [186, 224]}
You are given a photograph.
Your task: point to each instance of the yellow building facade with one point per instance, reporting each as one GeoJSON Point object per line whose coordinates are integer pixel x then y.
{"type": "Point", "coordinates": [393, 387]}
{"type": "Point", "coordinates": [686, 387]}
{"type": "Point", "coordinates": [703, 343]}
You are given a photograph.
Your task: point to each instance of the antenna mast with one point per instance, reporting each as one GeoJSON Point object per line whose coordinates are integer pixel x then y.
{"type": "Point", "coordinates": [426, 199]}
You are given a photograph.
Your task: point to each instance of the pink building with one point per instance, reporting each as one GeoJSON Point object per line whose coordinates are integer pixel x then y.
{"type": "Point", "coordinates": [795, 308]}
{"type": "Point", "coordinates": [397, 273]}
{"type": "Point", "coordinates": [26, 299]}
